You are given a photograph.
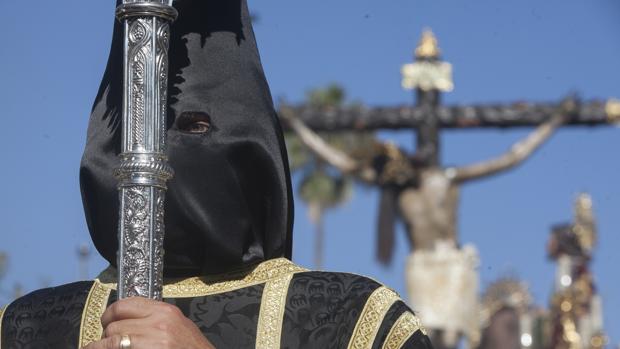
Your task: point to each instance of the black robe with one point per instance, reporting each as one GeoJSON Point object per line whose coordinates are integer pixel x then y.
{"type": "Point", "coordinates": [275, 304]}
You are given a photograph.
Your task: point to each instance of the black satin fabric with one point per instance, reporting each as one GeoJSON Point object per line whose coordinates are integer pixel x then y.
{"type": "Point", "coordinates": [230, 203]}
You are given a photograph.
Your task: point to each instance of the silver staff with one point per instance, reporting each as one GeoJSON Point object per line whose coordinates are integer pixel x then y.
{"type": "Point", "coordinates": [144, 169]}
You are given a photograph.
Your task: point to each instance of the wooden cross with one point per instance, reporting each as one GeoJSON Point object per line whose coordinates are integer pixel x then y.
{"type": "Point", "coordinates": [415, 187]}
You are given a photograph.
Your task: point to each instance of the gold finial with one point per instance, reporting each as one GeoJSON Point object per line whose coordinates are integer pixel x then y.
{"type": "Point", "coordinates": [428, 47]}
{"type": "Point", "coordinates": [612, 109]}
{"type": "Point", "coordinates": [427, 72]}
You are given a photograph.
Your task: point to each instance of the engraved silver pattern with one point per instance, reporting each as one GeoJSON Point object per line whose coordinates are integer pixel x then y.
{"type": "Point", "coordinates": [144, 168]}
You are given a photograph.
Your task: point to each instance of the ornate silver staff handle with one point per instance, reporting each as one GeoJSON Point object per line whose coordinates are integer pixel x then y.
{"type": "Point", "coordinates": [144, 169]}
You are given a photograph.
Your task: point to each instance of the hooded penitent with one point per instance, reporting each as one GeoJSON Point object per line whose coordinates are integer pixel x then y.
{"type": "Point", "coordinates": [229, 204]}
{"type": "Point", "coordinates": [228, 207]}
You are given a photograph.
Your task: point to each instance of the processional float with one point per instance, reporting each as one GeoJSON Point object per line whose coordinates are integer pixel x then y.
{"type": "Point", "coordinates": [441, 274]}
{"type": "Point", "coordinates": [144, 169]}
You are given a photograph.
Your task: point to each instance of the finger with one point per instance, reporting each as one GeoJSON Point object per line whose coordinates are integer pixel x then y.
{"type": "Point", "coordinates": [106, 343]}
{"type": "Point", "coordinates": [122, 327]}
{"type": "Point", "coordinates": [129, 308]}
{"type": "Point", "coordinates": [137, 342]}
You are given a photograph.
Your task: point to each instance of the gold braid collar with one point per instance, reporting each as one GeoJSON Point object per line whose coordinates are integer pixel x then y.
{"type": "Point", "coordinates": [207, 285]}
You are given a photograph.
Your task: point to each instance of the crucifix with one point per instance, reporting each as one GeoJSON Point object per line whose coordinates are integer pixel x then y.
{"type": "Point", "coordinates": [416, 189]}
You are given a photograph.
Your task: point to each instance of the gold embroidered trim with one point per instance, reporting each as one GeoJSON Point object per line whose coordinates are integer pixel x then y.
{"type": "Point", "coordinates": [371, 317]}
{"type": "Point", "coordinates": [96, 303]}
{"type": "Point", "coordinates": [271, 314]}
{"type": "Point", "coordinates": [204, 286]}
{"type": "Point", "coordinates": [406, 325]}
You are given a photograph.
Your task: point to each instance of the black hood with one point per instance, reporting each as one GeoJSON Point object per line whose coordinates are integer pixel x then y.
{"type": "Point", "coordinates": [229, 204]}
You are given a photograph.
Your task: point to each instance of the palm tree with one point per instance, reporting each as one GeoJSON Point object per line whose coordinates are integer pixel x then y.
{"type": "Point", "coordinates": [322, 187]}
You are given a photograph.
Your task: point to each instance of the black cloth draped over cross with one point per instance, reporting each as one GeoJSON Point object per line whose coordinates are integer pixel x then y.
{"type": "Point", "coordinates": [228, 214]}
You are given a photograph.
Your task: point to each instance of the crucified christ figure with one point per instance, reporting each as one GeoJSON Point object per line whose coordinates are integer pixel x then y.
{"type": "Point", "coordinates": [441, 276]}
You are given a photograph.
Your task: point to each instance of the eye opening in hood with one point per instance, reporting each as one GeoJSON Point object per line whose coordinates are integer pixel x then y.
{"type": "Point", "coordinates": [194, 123]}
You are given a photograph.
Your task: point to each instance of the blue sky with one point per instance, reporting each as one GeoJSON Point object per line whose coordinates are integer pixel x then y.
{"type": "Point", "coordinates": [53, 55]}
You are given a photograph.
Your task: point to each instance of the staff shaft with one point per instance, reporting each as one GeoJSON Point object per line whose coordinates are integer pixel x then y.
{"type": "Point", "coordinates": [144, 168]}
